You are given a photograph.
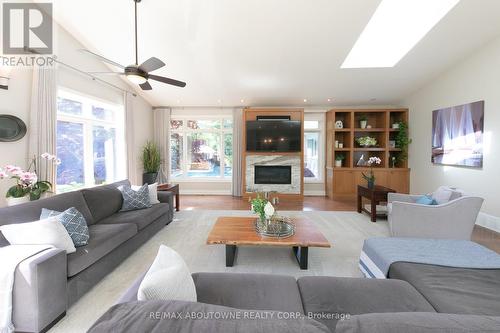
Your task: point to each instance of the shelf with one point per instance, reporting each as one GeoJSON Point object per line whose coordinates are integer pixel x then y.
{"type": "Point", "coordinates": [393, 129]}
{"type": "Point", "coordinates": [369, 149]}
{"type": "Point", "coordinates": [342, 129]}
{"type": "Point", "coordinates": [394, 149]}
{"type": "Point", "coordinates": [342, 149]}
{"type": "Point", "coordinates": [369, 130]}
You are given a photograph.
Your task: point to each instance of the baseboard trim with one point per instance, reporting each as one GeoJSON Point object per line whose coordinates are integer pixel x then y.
{"type": "Point", "coordinates": [314, 193]}
{"type": "Point", "coordinates": [488, 221]}
{"type": "Point", "coordinates": [205, 192]}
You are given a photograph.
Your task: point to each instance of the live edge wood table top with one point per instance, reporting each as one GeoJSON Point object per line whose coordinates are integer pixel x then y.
{"type": "Point", "coordinates": [236, 231]}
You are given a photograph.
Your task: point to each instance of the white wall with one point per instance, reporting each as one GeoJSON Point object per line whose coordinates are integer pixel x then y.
{"type": "Point", "coordinates": [16, 100]}
{"type": "Point", "coordinates": [476, 78]}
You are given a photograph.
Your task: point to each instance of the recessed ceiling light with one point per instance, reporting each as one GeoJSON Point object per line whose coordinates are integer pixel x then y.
{"type": "Point", "coordinates": [219, 101]}
{"type": "Point", "coordinates": [242, 100]}
{"type": "Point", "coordinates": [329, 99]}
{"type": "Point", "coordinates": [178, 101]}
{"type": "Point", "coordinates": [305, 100]}
{"type": "Point", "coordinates": [394, 29]}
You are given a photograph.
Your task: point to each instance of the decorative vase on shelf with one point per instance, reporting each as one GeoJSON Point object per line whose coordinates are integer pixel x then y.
{"type": "Point", "coordinates": [363, 123]}
{"type": "Point", "coordinates": [371, 183]}
{"type": "Point", "coordinates": [17, 201]}
{"type": "Point", "coordinates": [338, 163]}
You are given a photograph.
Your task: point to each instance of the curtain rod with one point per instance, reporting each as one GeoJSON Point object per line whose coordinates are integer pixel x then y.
{"type": "Point", "coordinates": [94, 78]}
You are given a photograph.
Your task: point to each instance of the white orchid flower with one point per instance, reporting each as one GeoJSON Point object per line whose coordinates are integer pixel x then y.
{"type": "Point", "coordinates": [269, 210]}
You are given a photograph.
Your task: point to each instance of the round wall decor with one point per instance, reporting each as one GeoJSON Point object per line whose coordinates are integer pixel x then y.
{"type": "Point", "coordinates": [11, 128]}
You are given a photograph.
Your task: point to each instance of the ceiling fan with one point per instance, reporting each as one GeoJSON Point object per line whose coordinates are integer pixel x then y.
{"type": "Point", "coordinates": [139, 74]}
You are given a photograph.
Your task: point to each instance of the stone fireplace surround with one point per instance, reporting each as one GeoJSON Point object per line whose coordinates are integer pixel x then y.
{"type": "Point", "coordinates": [273, 160]}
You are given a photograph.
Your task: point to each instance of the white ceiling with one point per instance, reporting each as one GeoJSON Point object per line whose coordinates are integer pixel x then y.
{"type": "Point", "coordinates": [270, 52]}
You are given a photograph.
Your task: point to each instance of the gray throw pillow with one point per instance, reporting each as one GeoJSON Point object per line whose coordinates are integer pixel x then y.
{"type": "Point", "coordinates": [134, 200]}
{"type": "Point", "coordinates": [73, 221]}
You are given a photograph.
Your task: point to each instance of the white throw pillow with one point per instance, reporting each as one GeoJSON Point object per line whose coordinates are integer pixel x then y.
{"type": "Point", "coordinates": [442, 195]}
{"type": "Point", "coordinates": [153, 192]}
{"type": "Point", "coordinates": [168, 278]}
{"type": "Point", "coordinates": [44, 232]}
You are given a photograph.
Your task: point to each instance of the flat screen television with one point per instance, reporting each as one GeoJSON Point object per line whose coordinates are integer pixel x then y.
{"type": "Point", "coordinates": [274, 136]}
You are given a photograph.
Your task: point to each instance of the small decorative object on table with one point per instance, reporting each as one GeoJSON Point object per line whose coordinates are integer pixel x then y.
{"type": "Point", "coordinates": [363, 121]}
{"type": "Point", "coordinates": [370, 178]}
{"type": "Point", "coordinates": [269, 224]}
{"type": "Point", "coordinates": [29, 187]}
{"type": "Point", "coordinates": [367, 141]}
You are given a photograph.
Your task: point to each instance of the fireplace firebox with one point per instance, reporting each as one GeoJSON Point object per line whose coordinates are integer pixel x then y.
{"type": "Point", "coordinates": [273, 174]}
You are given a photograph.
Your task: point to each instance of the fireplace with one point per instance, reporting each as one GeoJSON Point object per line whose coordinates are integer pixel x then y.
{"type": "Point", "coordinates": [273, 174]}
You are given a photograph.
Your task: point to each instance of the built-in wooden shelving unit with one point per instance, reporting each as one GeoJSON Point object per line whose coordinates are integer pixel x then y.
{"type": "Point", "coordinates": [344, 179]}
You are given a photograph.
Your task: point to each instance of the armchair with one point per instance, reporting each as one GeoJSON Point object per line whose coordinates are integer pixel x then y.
{"type": "Point", "coordinates": [451, 220]}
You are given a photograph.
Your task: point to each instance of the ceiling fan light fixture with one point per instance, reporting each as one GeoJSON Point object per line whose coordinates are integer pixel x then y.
{"type": "Point", "coordinates": [137, 79]}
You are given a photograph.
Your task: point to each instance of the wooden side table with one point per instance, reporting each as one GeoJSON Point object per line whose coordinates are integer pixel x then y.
{"type": "Point", "coordinates": [174, 188]}
{"type": "Point", "coordinates": [376, 195]}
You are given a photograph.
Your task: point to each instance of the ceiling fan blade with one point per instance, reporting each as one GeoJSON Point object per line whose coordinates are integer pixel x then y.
{"type": "Point", "coordinates": [111, 62]}
{"type": "Point", "coordinates": [167, 80]}
{"type": "Point", "coordinates": [146, 86]}
{"type": "Point", "coordinates": [151, 64]}
{"type": "Point", "coordinates": [106, 73]}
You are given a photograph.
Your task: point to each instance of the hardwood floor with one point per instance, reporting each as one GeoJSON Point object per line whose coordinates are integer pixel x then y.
{"type": "Point", "coordinates": [486, 237]}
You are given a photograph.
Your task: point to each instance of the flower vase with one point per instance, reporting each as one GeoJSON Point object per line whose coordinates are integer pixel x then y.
{"type": "Point", "coordinates": [17, 201]}
{"type": "Point", "coordinates": [371, 183]}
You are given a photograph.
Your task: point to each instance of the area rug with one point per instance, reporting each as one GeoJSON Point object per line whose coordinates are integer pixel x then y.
{"type": "Point", "coordinates": [187, 234]}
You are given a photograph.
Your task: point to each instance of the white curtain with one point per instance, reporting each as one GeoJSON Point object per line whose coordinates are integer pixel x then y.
{"type": "Point", "coordinates": [128, 102]}
{"type": "Point", "coordinates": [161, 130]}
{"type": "Point", "coordinates": [237, 152]}
{"type": "Point", "coordinates": [43, 118]}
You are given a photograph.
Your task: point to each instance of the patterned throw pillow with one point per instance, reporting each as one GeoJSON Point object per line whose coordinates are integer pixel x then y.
{"type": "Point", "coordinates": [73, 221]}
{"type": "Point", "coordinates": [134, 200]}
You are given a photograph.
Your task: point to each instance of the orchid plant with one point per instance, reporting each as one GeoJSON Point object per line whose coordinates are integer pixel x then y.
{"type": "Point", "coordinates": [262, 207]}
{"type": "Point", "coordinates": [28, 181]}
{"type": "Point", "coordinates": [370, 178]}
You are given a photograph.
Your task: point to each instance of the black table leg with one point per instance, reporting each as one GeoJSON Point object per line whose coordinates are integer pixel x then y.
{"type": "Point", "coordinates": [301, 253]}
{"type": "Point", "coordinates": [230, 255]}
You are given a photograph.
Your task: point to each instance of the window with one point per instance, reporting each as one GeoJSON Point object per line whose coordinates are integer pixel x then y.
{"type": "Point", "coordinates": [201, 148]}
{"type": "Point", "coordinates": [313, 148]}
{"type": "Point", "coordinates": [90, 142]}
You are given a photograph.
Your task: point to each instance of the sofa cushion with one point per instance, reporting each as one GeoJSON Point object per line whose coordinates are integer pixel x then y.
{"type": "Point", "coordinates": [135, 200]}
{"type": "Point", "coordinates": [453, 290]}
{"type": "Point", "coordinates": [328, 299]}
{"type": "Point", "coordinates": [31, 211]}
{"type": "Point", "coordinates": [104, 201]}
{"type": "Point", "coordinates": [73, 221]}
{"type": "Point", "coordinates": [103, 239]}
{"type": "Point", "coordinates": [249, 291]}
{"type": "Point", "coordinates": [142, 218]}
{"type": "Point", "coordinates": [191, 317]}
{"type": "Point", "coordinates": [418, 323]}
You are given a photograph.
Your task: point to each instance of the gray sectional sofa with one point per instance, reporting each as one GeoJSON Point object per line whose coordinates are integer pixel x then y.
{"type": "Point", "coordinates": [47, 284]}
{"type": "Point", "coordinates": [417, 298]}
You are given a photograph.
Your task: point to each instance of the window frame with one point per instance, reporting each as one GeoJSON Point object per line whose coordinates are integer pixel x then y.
{"type": "Point", "coordinates": [320, 118]}
{"type": "Point", "coordinates": [88, 123]}
{"type": "Point", "coordinates": [185, 131]}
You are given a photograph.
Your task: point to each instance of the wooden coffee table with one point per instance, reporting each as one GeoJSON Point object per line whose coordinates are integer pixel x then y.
{"type": "Point", "coordinates": [237, 231]}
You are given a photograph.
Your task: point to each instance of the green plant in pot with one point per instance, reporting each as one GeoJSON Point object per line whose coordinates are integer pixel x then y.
{"type": "Point", "coordinates": [363, 121]}
{"type": "Point", "coordinates": [151, 162]}
{"type": "Point", "coordinates": [338, 160]}
{"type": "Point", "coordinates": [402, 141]}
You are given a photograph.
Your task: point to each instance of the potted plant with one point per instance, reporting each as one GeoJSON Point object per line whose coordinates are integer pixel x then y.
{"type": "Point", "coordinates": [402, 141]}
{"type": "Point", "coordinates": [363, 121]}
{"type": "Point", "coordinates": [370, 178]}
{"type": "Point", "coordinates": [367, 141]}
{"type": "Point", "coordinates": [151, 162]}
{"type": "Point", "coordinates": [28, 185]}
{"type": "Point", "coordinates": [338, 160]}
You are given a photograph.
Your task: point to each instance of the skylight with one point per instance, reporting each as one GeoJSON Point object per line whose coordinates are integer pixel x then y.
{"type": "Point", "coordinates": [395, 28]}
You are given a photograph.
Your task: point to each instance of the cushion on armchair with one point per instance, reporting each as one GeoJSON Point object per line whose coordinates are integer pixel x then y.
{"type": "Point", "coordinates": [442, 195]}
{"type": "Point", "coordinates": [426, 200]}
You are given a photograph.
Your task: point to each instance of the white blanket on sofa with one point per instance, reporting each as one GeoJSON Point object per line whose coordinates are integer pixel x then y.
{"type": "Point", "coordinates": [10, 257]}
